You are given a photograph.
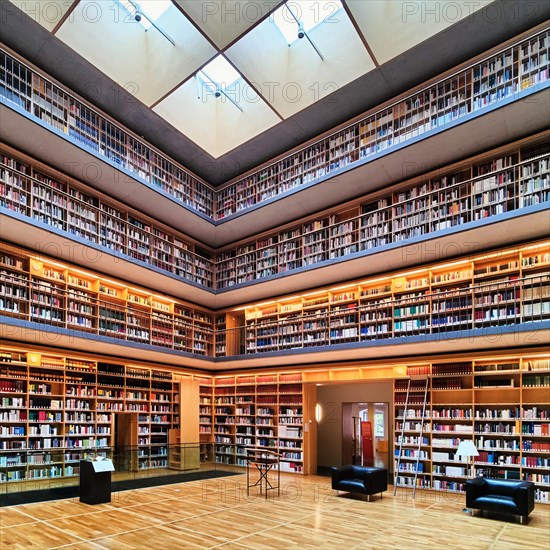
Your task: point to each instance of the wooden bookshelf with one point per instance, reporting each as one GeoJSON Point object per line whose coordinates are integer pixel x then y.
{"type": "Point", "coordinates": [514, 177]}
{"type": "Point", "coordinates": [511, 178]}
{"type": "Point", "coordinates": [500, 404]}
{"type": "Point", "coordinates": [504, 287]}
{"type": "Point", "coordinates": [61, 408]}
{"type": "Point", "coordinates": [44, 291]}
{"type": "Point", "coordinates": [90, 129]}
{"type": "Point", "coordinates": [257, 410]}
{"type": "Point", "coordinates": [57, 410]}
{"type": "Point", "coordinates": [517, 68]}
{"type": "Point", "coordinates": [206, 420]}
{"type": "Point", "coordinates": [65, 205]}
{"type": "Point", "coordinates": [481, 84]}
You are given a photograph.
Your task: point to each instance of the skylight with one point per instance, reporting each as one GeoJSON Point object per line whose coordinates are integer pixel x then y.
{"type": "Point", "coordinates": [220, 72]}
{"type": "Point", "coordinates": [150, 10]}
{"type": "Point", "coordinates": [309, 13]}
{"type": "Point", "coordinates": [216, 77]}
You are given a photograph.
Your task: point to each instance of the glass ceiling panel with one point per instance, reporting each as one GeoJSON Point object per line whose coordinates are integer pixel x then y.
{"type": "Point", "coordinates": [237, 36]}
{"type": "Point", "coordinates": [309, 13]}
{"type": "Point", "coordinates": [221, 72]}
{"type": "Point", "coordinates": [152, 9]}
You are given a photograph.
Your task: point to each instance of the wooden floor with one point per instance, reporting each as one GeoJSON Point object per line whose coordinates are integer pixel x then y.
{"type": "Point", "coordinates": [308, 514]}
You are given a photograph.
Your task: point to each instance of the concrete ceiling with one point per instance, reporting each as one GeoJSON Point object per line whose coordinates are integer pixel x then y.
{"type": "Point", "coordinates": [389, 46]}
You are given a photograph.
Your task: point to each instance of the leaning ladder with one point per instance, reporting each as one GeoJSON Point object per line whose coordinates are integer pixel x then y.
{"type": "Point", "coordinates": [402, 435]}
{"type": "Point", "coordinates": [419, 446]}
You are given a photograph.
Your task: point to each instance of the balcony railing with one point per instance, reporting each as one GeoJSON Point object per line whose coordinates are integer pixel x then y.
{"type": "Point", "coordinates": [504, 303]}
{"type": "Point", "coordinates": [24, 470]}
{"type": "Point", "coordinates": [87, 216]}
{"type": "Point", "coordinates": [435, 205]}
{"type": "Point", "coordinates": [511, 72]}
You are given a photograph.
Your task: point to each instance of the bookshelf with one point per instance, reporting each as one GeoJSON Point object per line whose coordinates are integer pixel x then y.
{"type": "Point", "coordinates": [476, 87]}
{"type": "Point", "coordinates": [256, 410]}
{"type": "Point", "coordinates": [62, 110]}
{"type": "Point", "coordinates": [500, 404]}
{"type": "Point", "coordinates": [203, 333]}
{"type": "Point", "coordinates": [224, 421]}
{"type": "Point", "coordinates": [511, 178]}
{"type": "Point", "coordinates": [342, 234]}
{"type": "Point", "coordinates": [206, 420]}
{"type": "Point", "coordinates": [503, 181]}
{"type": "Point", "coordinates": [44, 291]}
{"type": "Point", "coordinates": [412, 426]}
{"type": "Point", "coordinates": [505, 287]}
{"type": "Point", "coordinates": [57, 410]}
{"type": "Point", "coordinates": [69, 207]}
{"type": "Point", "coordinates": [517, 68]}
{"type": "Point", "coordinates": [290, 250]}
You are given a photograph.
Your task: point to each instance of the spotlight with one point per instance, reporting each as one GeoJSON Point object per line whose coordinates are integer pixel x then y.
{"type": "Point", "coordinates": [217, 93]}
{"type": "Point", "coordinates": [301, 32]}
{"type": "Point", "coordinates": [137, 16]}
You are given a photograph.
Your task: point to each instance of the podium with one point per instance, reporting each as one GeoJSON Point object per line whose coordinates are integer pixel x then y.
{"type": "Point", "coordinates": [95, 481]}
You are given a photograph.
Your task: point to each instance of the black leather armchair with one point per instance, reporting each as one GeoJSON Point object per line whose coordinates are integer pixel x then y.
{"type": "Point", "coordinates": [503, 496]}
{"type": "Point", "coordinates": [360, 479]}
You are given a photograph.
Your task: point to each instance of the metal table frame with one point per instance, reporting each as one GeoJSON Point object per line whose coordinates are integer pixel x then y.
{"type": "Point", "coordinates": [264, 461]}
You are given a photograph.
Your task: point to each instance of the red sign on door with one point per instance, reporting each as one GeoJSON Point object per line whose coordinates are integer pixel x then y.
{"type": "Point", "coordinates": [366, 436]}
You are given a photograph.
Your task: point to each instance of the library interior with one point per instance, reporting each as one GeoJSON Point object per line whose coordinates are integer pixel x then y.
{"type": "Point", "coordinates": [274, 274]}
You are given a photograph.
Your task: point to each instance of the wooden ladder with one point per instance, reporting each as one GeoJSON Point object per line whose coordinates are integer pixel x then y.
{"type": "Point", "coordinates": [419, 446]}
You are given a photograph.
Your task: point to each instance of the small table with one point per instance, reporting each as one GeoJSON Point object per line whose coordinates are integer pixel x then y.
{"type": "Point", "coordinates": [264, 461]}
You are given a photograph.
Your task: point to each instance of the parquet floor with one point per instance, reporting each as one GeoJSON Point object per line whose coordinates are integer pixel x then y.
{"type": "Point", "coordinates": [308, 514]}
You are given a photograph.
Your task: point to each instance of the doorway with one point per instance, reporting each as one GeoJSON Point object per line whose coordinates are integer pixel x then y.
{"type": "Point", "coordinates": [336, 434]}
{"type": "Point", "coordinates": [365, 434]}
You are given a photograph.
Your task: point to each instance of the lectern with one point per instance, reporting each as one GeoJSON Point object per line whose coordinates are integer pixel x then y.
{"type": "Point", "coordinates": [95, 481]}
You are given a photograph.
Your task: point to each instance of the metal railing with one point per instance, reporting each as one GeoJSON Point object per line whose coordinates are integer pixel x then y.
{"type": "Point", "coordinates": [502, 303]}
{"type": "Point", "coordinates": [499, 76]}
{"type": "Point", "coordinates": [26, 469]}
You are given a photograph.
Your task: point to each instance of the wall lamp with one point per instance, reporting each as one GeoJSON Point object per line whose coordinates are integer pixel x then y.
{"type": "Point", "coordinates": [318, 412]}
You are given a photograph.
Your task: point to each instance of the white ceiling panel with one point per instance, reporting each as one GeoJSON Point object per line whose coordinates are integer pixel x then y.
{"type": "Point", "coordinates": [215, 123]}
{"type": "Point", "coordinates": [392, 27]}
{"type": "Point", "coordinates": [223, 21]}
{"type": "Point", "coordinates": [144, 62]}
{"type": "Point", "coordinates": [296, 76]}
